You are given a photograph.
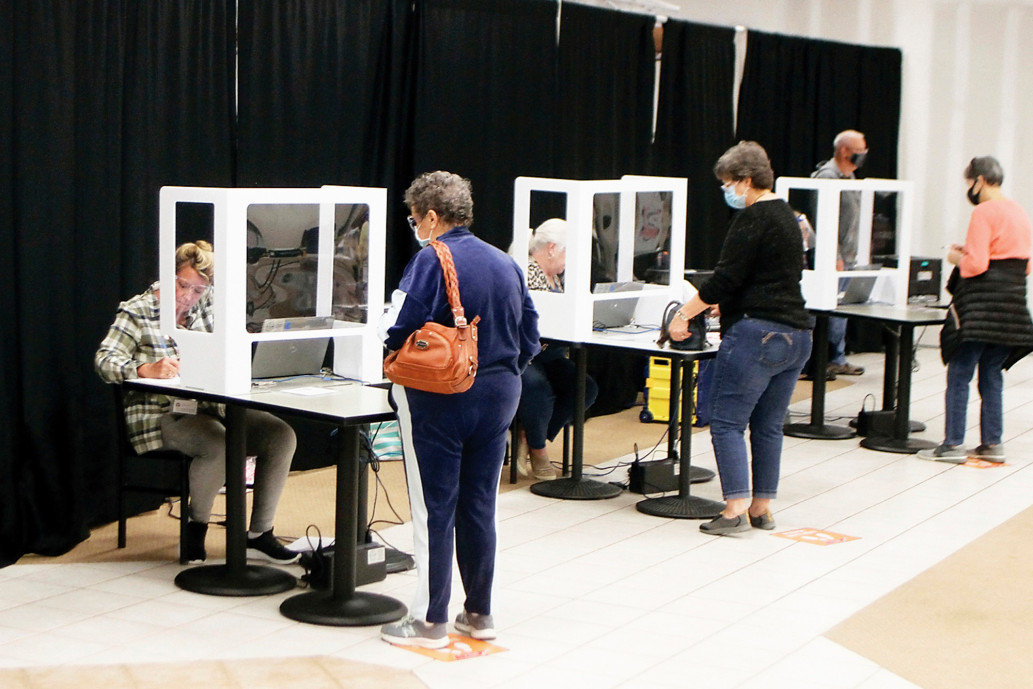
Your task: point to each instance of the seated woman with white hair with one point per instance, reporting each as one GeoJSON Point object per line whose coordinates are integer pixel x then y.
{"type": "Point", "coordinates": [547, 397]}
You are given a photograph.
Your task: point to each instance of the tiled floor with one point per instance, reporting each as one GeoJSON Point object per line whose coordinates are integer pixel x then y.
{"type": "Point", "coordinates": [594, 593]}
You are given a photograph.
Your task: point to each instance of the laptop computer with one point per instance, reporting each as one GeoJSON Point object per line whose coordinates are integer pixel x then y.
{"type": "Point", "coordinates": [283, 358]}
{"type": "Point", "coordinates": [858, 290]}
{"type": "Point", "coordinates": [614, 313]}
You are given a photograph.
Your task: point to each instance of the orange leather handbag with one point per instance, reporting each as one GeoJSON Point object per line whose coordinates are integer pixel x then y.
{"type": "Point", "coordinates": [435, 357]}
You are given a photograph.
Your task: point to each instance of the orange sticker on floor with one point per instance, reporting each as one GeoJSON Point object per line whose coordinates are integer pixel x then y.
{"type": "Point", "coordinates": [816, 536]}
{"type": "Point", "coordinates": [982, 464]}
{"type": "Point", "coordinates": [459, 648]}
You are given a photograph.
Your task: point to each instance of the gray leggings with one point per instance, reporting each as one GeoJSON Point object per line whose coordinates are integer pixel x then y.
{"type": "Point", "coordinates": [203, 437]}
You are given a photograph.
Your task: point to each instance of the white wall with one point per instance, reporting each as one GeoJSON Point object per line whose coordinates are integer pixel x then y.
{"type": "Point", "coordinates": [965, 88]}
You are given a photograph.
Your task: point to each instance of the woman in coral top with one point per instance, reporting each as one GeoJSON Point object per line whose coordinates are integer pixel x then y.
{"type": "Point", "coordinates": [988, 324]}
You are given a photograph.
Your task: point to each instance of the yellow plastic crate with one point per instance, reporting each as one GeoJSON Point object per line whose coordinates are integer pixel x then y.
{"type": "Point", "coordinates": [658, 392]}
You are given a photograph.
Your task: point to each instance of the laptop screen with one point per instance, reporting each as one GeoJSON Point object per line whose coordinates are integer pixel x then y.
{"type": "Point", "coordinates": [614, 313]}
{"type": "Point", "coordinates": [296, 357]}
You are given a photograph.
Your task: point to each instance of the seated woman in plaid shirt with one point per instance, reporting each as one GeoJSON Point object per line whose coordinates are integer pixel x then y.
{"type": "Point", "coordinates": [135, 348]}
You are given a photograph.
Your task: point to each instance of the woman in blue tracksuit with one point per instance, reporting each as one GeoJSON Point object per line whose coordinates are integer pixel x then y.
{"type": "Point", "coordinates": [454, 444]}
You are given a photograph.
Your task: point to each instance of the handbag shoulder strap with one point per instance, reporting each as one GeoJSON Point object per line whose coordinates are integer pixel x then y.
{"type": "Point", "coordinates": [448, 267]}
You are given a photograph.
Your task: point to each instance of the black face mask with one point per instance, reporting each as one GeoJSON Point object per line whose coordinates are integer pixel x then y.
{"type": "Point", "coordinates": [857, 159]}
{"type": "Point", "coordinates": [973, 196]}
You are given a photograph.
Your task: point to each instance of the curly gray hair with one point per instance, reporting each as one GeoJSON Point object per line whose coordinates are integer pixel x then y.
{"type": "Point", "coordinates": [446, 193]}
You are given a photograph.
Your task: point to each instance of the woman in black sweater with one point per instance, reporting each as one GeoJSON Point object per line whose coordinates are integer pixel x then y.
{"type": "Point", "coordinates": [765, 337]}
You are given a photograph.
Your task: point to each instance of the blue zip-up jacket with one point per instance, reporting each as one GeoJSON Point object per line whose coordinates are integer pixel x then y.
{"type": "Point", "coordinates": [490, 286]}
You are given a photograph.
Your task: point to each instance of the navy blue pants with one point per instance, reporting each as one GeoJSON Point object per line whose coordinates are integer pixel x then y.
{"type": "Point", "coordinates": [547, 398]}
{"type": "Point", "coordinates": [453, 447]}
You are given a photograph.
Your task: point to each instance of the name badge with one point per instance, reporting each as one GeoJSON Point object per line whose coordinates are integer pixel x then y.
{"type": "Point", "coordinates": [184, 406]}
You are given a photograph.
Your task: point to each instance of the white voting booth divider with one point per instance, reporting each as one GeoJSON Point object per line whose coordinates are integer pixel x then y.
{"type": "Point", "coordinates": [820, 286]}
{"type": "Point", "coordinates": [220, 361]}
{"type": "Point", "coordinates": [568, 315]}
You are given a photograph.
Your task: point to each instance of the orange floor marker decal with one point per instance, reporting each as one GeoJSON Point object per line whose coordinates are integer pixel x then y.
{"type": "Point", "coordinates": [982, 464]}
{"type": "Point", "coordinates": [816, 536]}
{"type": "Point", "coordinates": [459, 648]}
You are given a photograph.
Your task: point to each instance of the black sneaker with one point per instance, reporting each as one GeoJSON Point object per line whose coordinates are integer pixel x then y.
{"type": "Point", "coordinates": [267, 548]}
{"type": "Point", "coordinates": [192, 549]}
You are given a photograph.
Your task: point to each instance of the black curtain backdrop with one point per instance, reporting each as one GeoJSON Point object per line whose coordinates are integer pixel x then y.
{"type": "Point", "coordinates": [695, 125]}
{"type": "Point", "coordinates": [310, 81]}
{"type": "Point", "coordinates": [484, 100]}
{"type": "Point", "coordinates": [798, 93]}
{"type": "Point", "coordinates": [324, 99]}
{"type": "Point", "coordinates": [607, 69]}
{"type": "Point", "coordinates": [105, 102]}
{"type": "Point", "coordinates": [607, 65]}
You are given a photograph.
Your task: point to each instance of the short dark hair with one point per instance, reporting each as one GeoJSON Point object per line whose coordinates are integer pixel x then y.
{"type": "Point", "coordinates": [988, 167]}
{"type": "Point", "coordinates": [746, 159]}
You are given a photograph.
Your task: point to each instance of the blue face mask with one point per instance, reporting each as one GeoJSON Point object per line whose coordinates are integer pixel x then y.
{"type": "Point", "coordinates": [732, 199]}
{"type": "Point", "coordinates": [416, 232]}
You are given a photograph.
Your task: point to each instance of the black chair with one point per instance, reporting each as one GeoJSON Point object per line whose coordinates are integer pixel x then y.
{"type": "Point", "coordinates": [127, 454]}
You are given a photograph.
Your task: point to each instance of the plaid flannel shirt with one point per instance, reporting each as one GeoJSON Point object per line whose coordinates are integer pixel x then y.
{"type": "Point", "coordinates": [135, 338]}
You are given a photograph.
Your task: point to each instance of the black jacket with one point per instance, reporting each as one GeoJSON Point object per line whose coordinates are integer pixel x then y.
{"type": "Point", "coordinates": [989, 307]}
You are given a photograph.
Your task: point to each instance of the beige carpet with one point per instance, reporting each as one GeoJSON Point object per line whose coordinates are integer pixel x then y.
{"type": "Point", "coordinates": [271, 673]}
{"type": "Point", "coordinates": [966, 622]}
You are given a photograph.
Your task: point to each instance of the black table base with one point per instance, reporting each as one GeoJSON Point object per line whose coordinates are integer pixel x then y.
{"type": "Point", "coordinates": [816, 428]}
{"type": "Point", "coordinates": [236, 577]}
{"type": "Point", "coordinates": [904, 446]}
{"type": "Point", "coordinates": [700, 475]}
{"type": "Point", "coordinates": [885, 419]}
{"type": "Point", "coordinates": [222, 580]}
{"type": "Point", "coordinates": [683, 505]}
{"type": "Point", "coordinates": [359, 609]}
{"type": "Point", "coordinates": [677, 507]}
{"type": "Point", "coordinates": [820, 431]}
{"type": "Point", "coordinates": [575, 489]}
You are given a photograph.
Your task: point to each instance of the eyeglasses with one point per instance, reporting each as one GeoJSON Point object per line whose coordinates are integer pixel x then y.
{"type": "Point", "coordinates": [199, 290]}
{"type": "Point", "coordinates": [412, 223]}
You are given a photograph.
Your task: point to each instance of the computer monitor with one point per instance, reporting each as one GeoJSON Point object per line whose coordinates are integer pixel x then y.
{"type": "Point", "coordinates": [924, 279]}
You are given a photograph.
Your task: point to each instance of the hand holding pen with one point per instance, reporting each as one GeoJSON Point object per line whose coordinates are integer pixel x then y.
{"type": "Point", "coordinates": [166, 367]}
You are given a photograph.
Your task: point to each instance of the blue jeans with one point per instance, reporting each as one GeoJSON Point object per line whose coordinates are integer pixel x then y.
{"type": "Point", "coordinates": [837, 340]}
{"type": "Point", "coordinates": [755, 372]}
{"type": "Point", "coordinates": [990, 360]}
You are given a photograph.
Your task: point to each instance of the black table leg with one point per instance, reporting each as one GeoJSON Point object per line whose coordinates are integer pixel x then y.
{"type": "Point", "coordinates": [576, 487]}
{"type": "Point", "coordinates": [683, 505]}
{"type": "Point", "coordinates": [236, 577]}
{"type": "Point", "coordinates": [342, 605]}
{"type": "Point", "coordinates": [816, 428]}
{"type": "Point", "coordinates": [900, 442]}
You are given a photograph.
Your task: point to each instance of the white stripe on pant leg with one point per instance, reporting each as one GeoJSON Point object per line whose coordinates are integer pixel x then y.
{"type": "Point", "coordinates": [417, 506]}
